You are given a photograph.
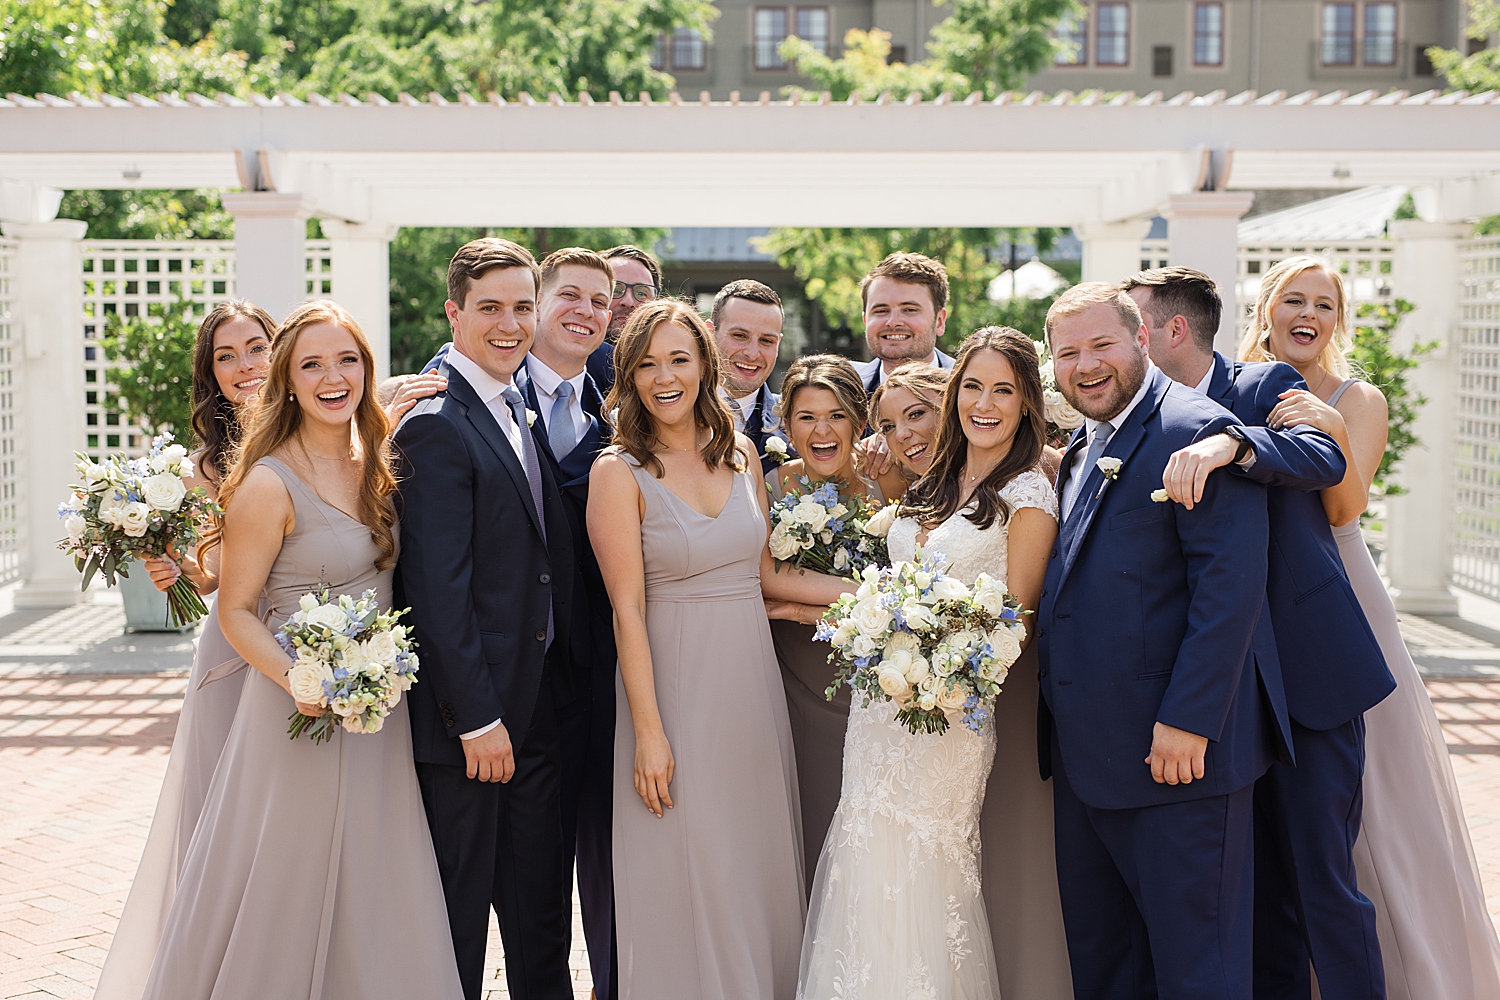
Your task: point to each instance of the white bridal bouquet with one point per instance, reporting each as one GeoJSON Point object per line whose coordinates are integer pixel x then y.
{"type": "Point", "coordinates": [127, 509]}
{"type": "Point", "coordinates": [349, 658]}
{"type": "Point", "coordinates": [914, 635]}
{"type": "Point", "coordinates": [827, 530]}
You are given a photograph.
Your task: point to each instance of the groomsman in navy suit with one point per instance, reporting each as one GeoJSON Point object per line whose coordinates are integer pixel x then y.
{"type": "Point", "coordinates": [635, 280]}
{"type": "Point", "coordinates": [746, 324]}
{"type": "Point", "coordinates": [573, 314]}
{"type": "Point", "coordinates": [1162, 700]}
{"type": "Point", "coordinates": [1307, 817]}
{"type": "Point", "coordinates": [905, 301]}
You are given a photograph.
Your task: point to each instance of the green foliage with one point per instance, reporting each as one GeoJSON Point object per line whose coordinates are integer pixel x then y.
{"type": "Point", "coordinates": [150, 215]}
{"type": "Point", "coordinates": [831, 262]}
{"type": "Point", "coordinates": [156, 386]}
{"type": "Point", "coordinates": [60, 46]}
{"type": "Point", "coordinates": [863, 69]}
{"type": "Point", "coordinates": [1480, 71]}
{"type": "Point", "coordinates": [997, 44]}
{"type": "Point", "coordinates": [419, 278]}
{"type": "Point", "coordinates": [1488, 226]}
{"type": "Point", "coordinates": [1377, 362]}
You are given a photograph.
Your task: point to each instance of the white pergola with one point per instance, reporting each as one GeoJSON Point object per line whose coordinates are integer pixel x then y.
{"type": "Point", "coordinates": [368, 166]}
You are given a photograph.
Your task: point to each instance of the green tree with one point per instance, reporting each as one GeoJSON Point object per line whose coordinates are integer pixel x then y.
{"type": "Point", "coordinates": [864, 69]}
{"type": "Point", "coordinates": [150, 215]}
{"type": "Point", "coordinates": [997, 44]}
{"type": "Point", "coordinates": [1480, 71]}
{"type": "Point", "coordinates": [155, 387]}
{"type": "Point", "coordinates": [1375, 360]}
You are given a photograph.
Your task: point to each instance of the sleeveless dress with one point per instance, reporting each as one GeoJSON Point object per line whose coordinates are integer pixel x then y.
{"type": "Point", "coordinates": [709, 899]}
{"type": "Point", "coordinates": [208, 709]}
{"type": "Point", "coordinates": [897, 908]}
{"type": "Point", "coordinates": [1414, 859]}
{"type": "Point", "coordinates": [311, 873]}
{"type": "Point", "coordinates": [818, 725]}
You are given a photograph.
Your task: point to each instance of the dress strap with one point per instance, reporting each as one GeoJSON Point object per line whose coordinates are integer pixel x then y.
{"type": "Point", "coordinates": [1334, 399]}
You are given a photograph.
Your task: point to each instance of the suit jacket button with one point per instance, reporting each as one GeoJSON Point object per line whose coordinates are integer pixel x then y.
{"type": "Point", "coordinates": [544, 578]}
{"type": "Point", "coordinates": [1054, 553]}
{"type": "Point", "coordinates": [1044, 591]}
{"type": "Point", "coordinates": [1042, 672]}
{"type": "Point", "coordinates": [541, 635]}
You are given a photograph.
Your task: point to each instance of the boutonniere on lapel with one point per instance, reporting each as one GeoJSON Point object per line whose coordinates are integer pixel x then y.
{"type": "Point", "coordinates": [1110, 466]}
{"type": "Point", "coordinates": [531, 418]}
{"type": "Point", "coordinates": [776, 450]}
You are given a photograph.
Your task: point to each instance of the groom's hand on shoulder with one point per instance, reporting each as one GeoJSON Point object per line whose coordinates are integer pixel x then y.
{"type": "Point", "coordinates": [1176, 755]}
{"type": "Point", "coordinates": [1188, 468]}
{"type": "Point", "coordinates": [490, 757]}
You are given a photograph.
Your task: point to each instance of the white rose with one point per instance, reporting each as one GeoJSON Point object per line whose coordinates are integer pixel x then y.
{"type": "Point", "coordinates": [841, 560]}
{"type": "Point", "coordinates": [75, 501]}
{"type": "Point", "coordinates": [919, 618]}
{"type": "Point", "coordinates": [919, 670]}
{"type": "Point", "coordinates": [329, 616]}
{"type": "Point", "coordinates": [164, 492]}
{"type": "Point", "coordinates": [942, 662]}
{"type": "Point", "coordinates": [880, 524]}
{"type": "Point", "coordinates": [952, 697]}
{"type": "Point", "coordinates": [775, 446]}
{"type": "Point", "coordinates": [784, 545]}
{"type": "Point", "coordinates": [863, 645]}
{"type": "Point", "coordinates": [900, 660]}
{"type": "Point", "coordinates": [1109, 465]}
{"type": "Point", "coordinates": [811, 513]}
{"type": "Point", "coordinates": [843, 633]}
{"type": "Point", "coordinates": [837, 510]}
{"type": "Point", "coordinates": [988, 599]}
{"type": "Point", "coordinates": [960, 642]}
{"type": "Point", "coordinates": [948, 589]}
{"type": "Point", "coordinates": [922, 579]}
{"type": "Point", "coordinates": [308, 602]}
{"type": "Point", "coordinates": [355, 661]}
{"type": "Point", "coordinates": [174, 453]}
{"type": "Point", "coordinates": [927, 701]}
{"type": "Point", "coordinates": [892, 681]}
{"type": "Point", "coordinates": [1017, 629]}
{"type": "Point", "coordinates": [93, 472]}
{"type": "Point", "coordinates": [870, 618]}
{"type": "Point", "coordinates": [306, 679]}
{"type": "Point", "coordinates": [381, 648]}
{"type": "Point", "coordinates": [1007, 648]}
{"type": "Point", "coordinates": [355, 723]}
{"type": "Point", "coordinates": [133, 518]}
{"type": "Point", "coordinates": [75, 526]}
{"type": "Point", "coordinates": [903, 641]}
{"type": "Point", "coordinates": [1057, 410]}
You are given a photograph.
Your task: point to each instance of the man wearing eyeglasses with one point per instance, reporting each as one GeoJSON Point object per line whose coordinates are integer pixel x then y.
{"type": "Point", "coordinates": [637, 281]}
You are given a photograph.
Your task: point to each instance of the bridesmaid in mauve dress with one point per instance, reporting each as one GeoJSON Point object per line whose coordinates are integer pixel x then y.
{"type": "Point", "coordinates": [1413, 858]}
{"type": "Point", "coordinates": [709, 896]}
{"type": "Point", "coordinates": [311, 873]}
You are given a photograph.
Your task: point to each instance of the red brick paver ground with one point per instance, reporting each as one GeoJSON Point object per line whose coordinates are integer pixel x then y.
{"type": "Point", "coordinates": [81, 760]}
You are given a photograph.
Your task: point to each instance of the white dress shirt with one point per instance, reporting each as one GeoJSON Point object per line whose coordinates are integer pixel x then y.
{"type": "Point", "coordinates": [740, 407]}
{"type": "Point", "coordinates": [880, 372]}
{"type": "Point", "coordinates": [490, 391]}
{"type": "Point", "coordinates": [546, 381]}
{"type": "Point", "coordinates": [1076, 474]}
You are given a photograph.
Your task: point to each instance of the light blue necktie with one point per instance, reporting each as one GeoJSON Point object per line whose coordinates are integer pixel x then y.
{"type": "Point", "coordinates": [1102, 434]}
{"type": "Point", "coordinates": [560, 423]}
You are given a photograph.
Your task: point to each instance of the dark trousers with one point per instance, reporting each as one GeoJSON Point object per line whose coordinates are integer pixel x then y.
{"type": "Point", "coordinates": [500, 845]}
{"type": "Point", "coordinates": [1156, 901]}
{"type": "Point", "coordinates": [1307, 905]}
{"type": "Point", "coordinates": [587, 726]}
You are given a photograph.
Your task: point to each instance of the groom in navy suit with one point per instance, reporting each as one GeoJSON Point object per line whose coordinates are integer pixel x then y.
{"type": "Point", "coordinates": [1307, 905]}
{"type": "Point", "coordinates": [1162, 700]}
{"type": "Point", "coordinates": [486, 565]}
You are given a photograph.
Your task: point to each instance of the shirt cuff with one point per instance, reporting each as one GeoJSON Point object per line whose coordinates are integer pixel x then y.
{"type": "Point", "coordinates": [480, 732]}
{"type": "Point", "coordinates": [1245, 463]}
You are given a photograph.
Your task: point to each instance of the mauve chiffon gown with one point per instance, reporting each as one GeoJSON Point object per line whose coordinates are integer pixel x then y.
{"type": "Point", "coordinates": [709, 899]}
{"type": "Point", "coordinates": [311, 873]}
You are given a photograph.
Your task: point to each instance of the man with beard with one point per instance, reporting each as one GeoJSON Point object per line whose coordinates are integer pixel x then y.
{"type": "Point", "coordinates": [905, 301]}
{"type": "Point", "coordinates": [746, 324]}
{"type": "Point", "coordinates": [1162, 699]}
{"type": "Point", "coordinates": [637, 280]}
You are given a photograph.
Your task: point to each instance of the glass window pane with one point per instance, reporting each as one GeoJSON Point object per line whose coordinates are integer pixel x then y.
{"type": "Point", "coordinates": [812, 27]}
{"type": "Point", "coordinates": [770, 32]}
{"type": "Point", "coordinates": [1112, 47]}
{"type": "Point", "coordinates": [1208, 34]}
{"type": "Point", "coordinates": [1380, 34]}
{"type": "Point", "coordinates": [659, 53]}
{"type": "Point", "coordinates": [1338, 34]}
{"type": "Point", "coordinates": [687, 49]}
{"type": "Point", "coordinates": [1073, 40]}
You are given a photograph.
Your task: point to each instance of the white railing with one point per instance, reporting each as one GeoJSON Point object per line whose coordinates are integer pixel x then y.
{"type": "Point", "coordinates": [1476, 537]}
{"type": "Point", "coordinates": [12, 478]}
{"type": "Point", "coordinates": [127, 277]}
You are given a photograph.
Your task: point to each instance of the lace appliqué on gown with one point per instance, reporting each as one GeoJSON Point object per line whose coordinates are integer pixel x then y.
{"type": "Point", "coordinates": [896, 908]}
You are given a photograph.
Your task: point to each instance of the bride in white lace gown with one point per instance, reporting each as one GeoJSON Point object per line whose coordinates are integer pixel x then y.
{"type": "Point", "coordinates": [897, 910]}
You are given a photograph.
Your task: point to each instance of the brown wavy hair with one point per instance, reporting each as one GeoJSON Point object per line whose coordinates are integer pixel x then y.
{"type": "Point", "coordinates": [922, 380]}
{"type": "Point", "coordinates": [832, 372]}
{"type": "Point", "coordinates": [635, 429]}
{"type": "Point", "coordinates": [216, 419]}
{"type": "Point", "coordinates": [278, 418]}
{"type": "Point", "coordinates": [938, 495]}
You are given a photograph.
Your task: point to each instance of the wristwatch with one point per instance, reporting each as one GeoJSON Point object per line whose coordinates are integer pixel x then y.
{"type": "Point", "coordinates": [1238, 433]}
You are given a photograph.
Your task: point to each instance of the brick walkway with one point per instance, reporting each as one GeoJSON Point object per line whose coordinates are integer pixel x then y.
{"type": "Point", "coordinates": [82, 757]}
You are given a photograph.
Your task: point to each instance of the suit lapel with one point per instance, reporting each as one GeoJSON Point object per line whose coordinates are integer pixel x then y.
{"type": "Point", "coordinates": [484, 422]}
{"type": "Point", "coordinates": [1222, 380]}
{"type": "Point", "coordinates": [1080, 437]}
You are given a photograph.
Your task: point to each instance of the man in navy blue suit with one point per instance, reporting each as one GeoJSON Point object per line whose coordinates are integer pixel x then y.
{"type": "Point", "coordinates": [905, 299]}
{"type": "Point", "coordinates": [486, 566]}
{"type": "Point", "coordinates": [1308, 817]}
{"type": "Point", "coordinates": [573, 314]}
{"type": "Point", "coordinates": [1161, 693]}
{"type": "Point", "coordinates": [746, 324]}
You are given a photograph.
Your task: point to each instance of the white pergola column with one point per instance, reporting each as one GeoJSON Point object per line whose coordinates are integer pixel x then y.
{"type": "Point", "coordinates": [362, 281]}
{"type": "Point", "coordinates": [1419, 523]}
{"type": "Point", "coordinates": [270, 248]}
{"type": "Point", "coordinates": [1203, 233]}
{"type": "Point", "coordinates": [48, 287]}
{"type": "Point", "coordinates": [1111, 250]}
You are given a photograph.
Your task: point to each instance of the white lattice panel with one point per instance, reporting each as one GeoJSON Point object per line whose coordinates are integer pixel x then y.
{"type": "Point", "coordinates": [12, 479]}
{"type": "Point", "coordinates": [128, 277]}
{"type": "Point", "coordinates": [1366, 266]}
{"type": "Point", "coordinates": [1476, 541]}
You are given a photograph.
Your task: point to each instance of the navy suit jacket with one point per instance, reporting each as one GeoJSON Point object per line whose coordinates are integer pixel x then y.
{"type": "Point", "coordinates": [869, 371]}
{"type": "Point", "coordinates": [762, 422]}
{"type": "Point", "coordinates": [601, 367]}
{"type": "Point", "coordinates": [1154, 613]}
{"type": "Point", "coordinates": [475, 571]}
{"type": "Point", "coordinates": [591, 641]}
{"type": "Point", "coordinates": [1331, 664]}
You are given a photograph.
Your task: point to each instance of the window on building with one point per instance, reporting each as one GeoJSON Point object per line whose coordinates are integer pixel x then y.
{"type": "Point", "coordinates": [1112, 34]}
{"type": "Point", "coordinates": [1208, 34]}
{"type": "Point", "coordinates": [1161, 60]}
{"type": "Point", "coordinates": [770, 32]}
{"type": "Point", "coordinates": [1421, 62]}
{"type": "Point", "coordinates": [687, 49]}
{"type": "Point", "coordinates": [1380, 34]}
{"type": "Point", "coordinates": [898, 55]}
{"type": "Point", "coordinates": [659, 53]}
{"type": "Point", "coordinates": [1338, 34]}
{"type": "Point", "coordinates": [812, 27]}
{"type": "Point", "coordinates": [1072, 40]}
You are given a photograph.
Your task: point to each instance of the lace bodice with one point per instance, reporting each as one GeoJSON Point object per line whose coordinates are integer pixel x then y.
{"type": "Point", "coordinates": [967, 550]}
